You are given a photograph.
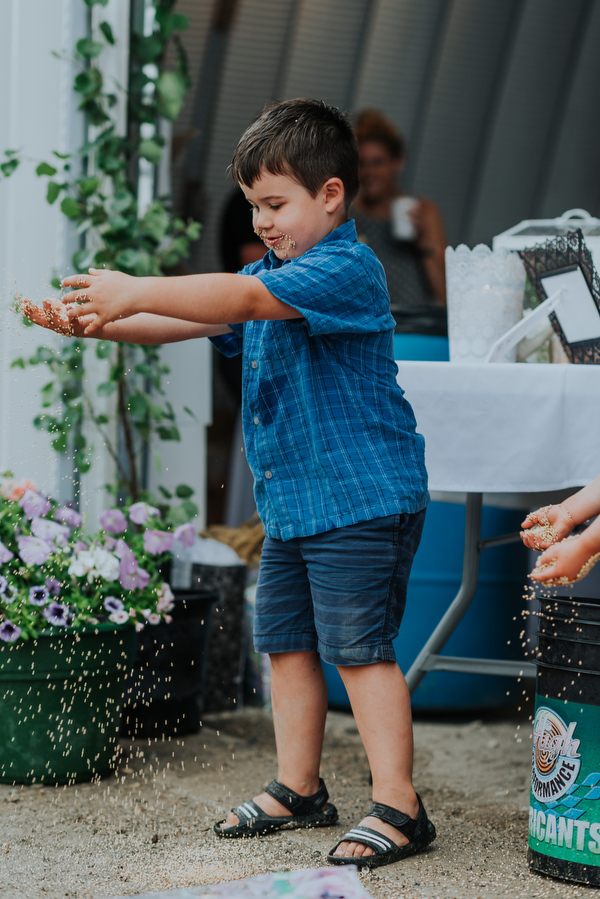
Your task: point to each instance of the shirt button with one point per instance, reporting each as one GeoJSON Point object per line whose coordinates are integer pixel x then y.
{"type": "Point", "coordinates": [268, 475]}
{"type": "Point", "coordinates": [255, 419]}
{"type": "Point", "coordinates": [254, 364]}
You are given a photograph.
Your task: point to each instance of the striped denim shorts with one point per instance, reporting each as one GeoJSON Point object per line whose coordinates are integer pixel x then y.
{"type": "Point", "coordinates": [341, 594]}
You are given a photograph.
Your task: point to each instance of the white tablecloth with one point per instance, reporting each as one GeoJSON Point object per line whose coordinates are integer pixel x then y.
{"type": "Point", "coordinates": [506, 427]}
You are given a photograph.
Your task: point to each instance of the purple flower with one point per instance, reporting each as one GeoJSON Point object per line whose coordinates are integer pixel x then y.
{"type": "Point", "coordinates": [80, 546]}
{"type": "Point", "coordinates": [140, 513]}
{"type": "Point", "coordinates": [186, 534]}
{"type": "Point", "coordinates": [113, 521]}
{"type": "Point", "coordinates": [58, 614]}
{"type": "Point", "coordinates": [112, 604]}
{"type": "Point", "coordinates": [5, 554]}
{"type": "Point", "coordinates": [53, 586]}
{"type": "Point", "coordinates": [34, 504]}
{"type": "Point", "coordinates": [38, 596]}
{"type": "Point", "coordinates": [67, 515]}
{"type": "Point", "coordinates": [131, 576]}
{"type": "Point", "coordinates": [9, 632]}
{"type": "Point", "coordinates": [50, 531]}
{"type": "Point", "coordinates": [3, 584]}
{"type": "Point", "coordinates": [34, 550]}
{"type": "Point", "coordinates": [158, 542]}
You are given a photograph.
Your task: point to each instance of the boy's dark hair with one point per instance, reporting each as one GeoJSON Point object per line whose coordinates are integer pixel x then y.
{"type": "Point", "coordinates": [305, 139]}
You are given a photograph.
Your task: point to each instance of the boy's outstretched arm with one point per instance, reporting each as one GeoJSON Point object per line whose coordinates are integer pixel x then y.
{"type": "Point", "coordinates": [211, 299]}
{"type": "Point", "coordinates": [142, 329]}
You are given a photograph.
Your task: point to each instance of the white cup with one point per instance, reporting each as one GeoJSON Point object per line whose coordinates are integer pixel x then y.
{"type": "Point", "coordinates": [402, 225]}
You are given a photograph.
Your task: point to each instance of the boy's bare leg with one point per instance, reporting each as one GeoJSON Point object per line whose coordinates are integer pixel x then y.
{"type": "Point", "coordinates": [381, 705]}
{"type": "Point", "coordinates": [299, 695]}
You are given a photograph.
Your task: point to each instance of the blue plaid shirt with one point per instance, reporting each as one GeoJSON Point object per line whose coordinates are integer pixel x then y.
{"type": "Point", "coordinates": [329, 437]}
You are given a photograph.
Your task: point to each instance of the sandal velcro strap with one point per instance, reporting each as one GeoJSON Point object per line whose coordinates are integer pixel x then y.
{"type": "Point", "coordinates": [411, 828]}
{"type": "Point", "coordinates": [296, 804]}
{"type": "Point", "coordinates": [368, 837]}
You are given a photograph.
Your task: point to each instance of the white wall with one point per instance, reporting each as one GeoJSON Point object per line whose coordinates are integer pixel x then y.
{"type": "Point", "coordinates": [38, 115]}
{"type": "Point", "coordinates": [35, 117]}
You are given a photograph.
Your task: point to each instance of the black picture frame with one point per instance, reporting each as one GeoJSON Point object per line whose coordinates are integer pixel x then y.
{"type": "Point", "coordinates": [565, 253]}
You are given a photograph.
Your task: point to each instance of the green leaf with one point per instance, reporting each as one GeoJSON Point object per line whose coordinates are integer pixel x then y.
{"type": "Point", "coordinates": [104, 349]}
{"type": "Point", "coordinates": [79, 442]}
{"type": "Point", "coordinates": [102, 419]}
{"type": "Point", "coordinates": [155, 222]}
{"type": "Point", "coordinates": [96, 2]}
{"type": "Point", "coordinates": [7, 168]}
{"type": "Point", "coordinates": [170, 22]}
{"type": "Point", "coordinates": [53, 191]}
{"type": "Point", "coordinates": [171, 433]}
{"type": "Point", "coordinates": [60, 443]}
{"type": "Point", "coordinates": [147, 49]}
{"type": "Point", "coordinates": [166, 493]}
{"type": "Point", "coordinates": [183, 491]}
{"type": "Point", "coordinates": [138, 405]}
{"type": "Point", "coordinates": [70, 208]}
{"type": "Point", "coordinates": [107, 32]}
{"type": "Point", "coordinates": [106, 388]}
{"type": "Point", "coordinates": [45, 169]}
{"type": "Point", "coordinates": [89, 49]}
{"type": "Point", "coordinates": [84, 467]}
{"type": "Point", "coordinates": [55, 283]}
{"type": "Point", "coordinates": [82, 259]}
{"type": "Point", "coordinates": [87, 186]}
{"type": "Point", "coordinates": [88, 82]}
{"type": "Point", "coordinates": [150, 150]}
{"type": "Point", "coordinates": [18, 363]}
{"type": "Point", "coordinates": [61, 155]}
{"type": "Point", "coordinates": [171, 89]}
{"type": "Point", "coordinates": [192, 232]}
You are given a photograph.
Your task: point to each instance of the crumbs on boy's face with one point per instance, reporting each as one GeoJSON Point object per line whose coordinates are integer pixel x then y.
{"type": "Point", "coordinates": [277, 243]}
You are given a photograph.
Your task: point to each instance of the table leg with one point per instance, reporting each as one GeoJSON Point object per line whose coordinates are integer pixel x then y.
{"type": "Point", "coordinates": [461, 601]}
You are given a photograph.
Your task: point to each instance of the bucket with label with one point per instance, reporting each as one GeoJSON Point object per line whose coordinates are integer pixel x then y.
{"type": "Point", "coordinates": [564, 814]}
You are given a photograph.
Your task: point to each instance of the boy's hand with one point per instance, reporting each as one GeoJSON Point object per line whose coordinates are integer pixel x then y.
{"type": "Point", "coordinates": [568, 561]}
{"type": "Point", "coordinates": [53, 316]}
{"type": "Point", "coordinates": [546, 526]}
{"type": "Point", "coordinates": [107, 296]}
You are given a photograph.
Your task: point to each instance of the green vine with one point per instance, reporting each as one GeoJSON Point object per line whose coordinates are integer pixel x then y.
{"type": "Point", "coordinates": [96, 188]}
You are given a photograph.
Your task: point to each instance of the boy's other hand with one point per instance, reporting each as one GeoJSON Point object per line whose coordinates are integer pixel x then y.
{"type": "Point", "coordinates": [53, 316]}
{"type": "Point", "coordinates": [566, 562]}
{"type": "Point", "coordinates": [546, 526]}
{"type": "Point", "coordinates": [101, 297]}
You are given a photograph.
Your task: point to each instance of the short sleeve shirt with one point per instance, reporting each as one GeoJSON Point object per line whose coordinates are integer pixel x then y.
{"type": "Point", "coordinates": [330, 438]}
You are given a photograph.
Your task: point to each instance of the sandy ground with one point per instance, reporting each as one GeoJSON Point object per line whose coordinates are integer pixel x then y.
{"type": "Point", "coordinates": [149, 827]}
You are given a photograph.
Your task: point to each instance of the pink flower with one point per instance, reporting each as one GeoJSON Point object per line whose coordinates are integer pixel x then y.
{"type": "Point", "coordinates": [186, 534]}
{"type": "Point", "coordinates": [113, 521]}
{"type": "Point", "coordinates": [5, 554]}
{"type": "Point", "coordinates": [34, 550]}
{"type": "Point", "coordinates": [131, 576]}
{"type": "Point", "coordinates": [67, 515]}
{"type": "Point", "coordinates": [51, 531]}
{"type": "Point", "coordinates": [34, 504]}
{"type": "Point", "coordinates": [156, 542]}
{"type": "Point", "coordinates": [140, 513]}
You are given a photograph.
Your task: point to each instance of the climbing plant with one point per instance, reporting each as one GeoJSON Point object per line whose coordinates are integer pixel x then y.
{"type": "Point", "coordinates": [97, 190]}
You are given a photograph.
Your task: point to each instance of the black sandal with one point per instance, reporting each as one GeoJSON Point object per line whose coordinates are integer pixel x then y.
{"type": "Point", "coordinates": [419, 831]}
{"type": "Point", "coordinates": [307, 811]}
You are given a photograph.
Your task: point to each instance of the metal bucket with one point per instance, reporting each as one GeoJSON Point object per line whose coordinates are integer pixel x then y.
{"type": "Point", "coordinates": [564, 815]}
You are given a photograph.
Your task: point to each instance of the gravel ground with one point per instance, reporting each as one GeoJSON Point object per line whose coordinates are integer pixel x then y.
{"type": "Point", "coordinates": [148, 828]}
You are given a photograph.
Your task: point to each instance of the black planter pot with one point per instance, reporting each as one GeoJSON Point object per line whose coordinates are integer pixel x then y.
{"type": "Point", "coordinates": [165, 689]}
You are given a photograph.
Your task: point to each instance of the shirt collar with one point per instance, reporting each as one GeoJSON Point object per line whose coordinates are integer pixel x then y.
{"type": "Point", "coordinates": [347, 232]}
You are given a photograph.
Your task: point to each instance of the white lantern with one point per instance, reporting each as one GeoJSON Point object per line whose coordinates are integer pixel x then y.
{"type": "Point", "coordinates": [485, 298]}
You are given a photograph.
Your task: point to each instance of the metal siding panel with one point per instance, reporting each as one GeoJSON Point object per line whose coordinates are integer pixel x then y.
{"type": "Point", "coordinates": [524, 116]}
{"type": "Point", "coordinates": [464, 82]}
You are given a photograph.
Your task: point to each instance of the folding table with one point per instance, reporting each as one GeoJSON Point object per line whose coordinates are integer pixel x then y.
{"type": "Point", "coordinates": [518, 435]}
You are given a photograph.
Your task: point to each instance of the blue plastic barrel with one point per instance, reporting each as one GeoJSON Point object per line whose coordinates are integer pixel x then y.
{"type": "Point", "coordinates": [491, 626]}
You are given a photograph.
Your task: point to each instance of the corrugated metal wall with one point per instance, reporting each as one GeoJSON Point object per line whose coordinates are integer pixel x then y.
{"type": "Point", "coordinates": [498, 98]}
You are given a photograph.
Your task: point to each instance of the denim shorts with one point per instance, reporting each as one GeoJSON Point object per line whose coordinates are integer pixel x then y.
{"type": "Point", "coordinates": [341, 594]}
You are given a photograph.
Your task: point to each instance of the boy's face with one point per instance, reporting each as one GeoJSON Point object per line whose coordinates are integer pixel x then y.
{"type": "Point", "coordinates": [288, 219]}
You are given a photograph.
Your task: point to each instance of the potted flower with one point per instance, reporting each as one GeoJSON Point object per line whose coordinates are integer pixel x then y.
{"type": "Point", "coordinates": [70, 605]}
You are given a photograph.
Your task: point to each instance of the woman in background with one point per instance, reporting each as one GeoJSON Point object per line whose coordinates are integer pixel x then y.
{"type": "Point", "coordinates": [406, 233]}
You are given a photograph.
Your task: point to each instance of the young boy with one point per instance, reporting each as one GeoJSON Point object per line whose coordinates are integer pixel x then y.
{"type": "Point", "coordinates": [340, 481]}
